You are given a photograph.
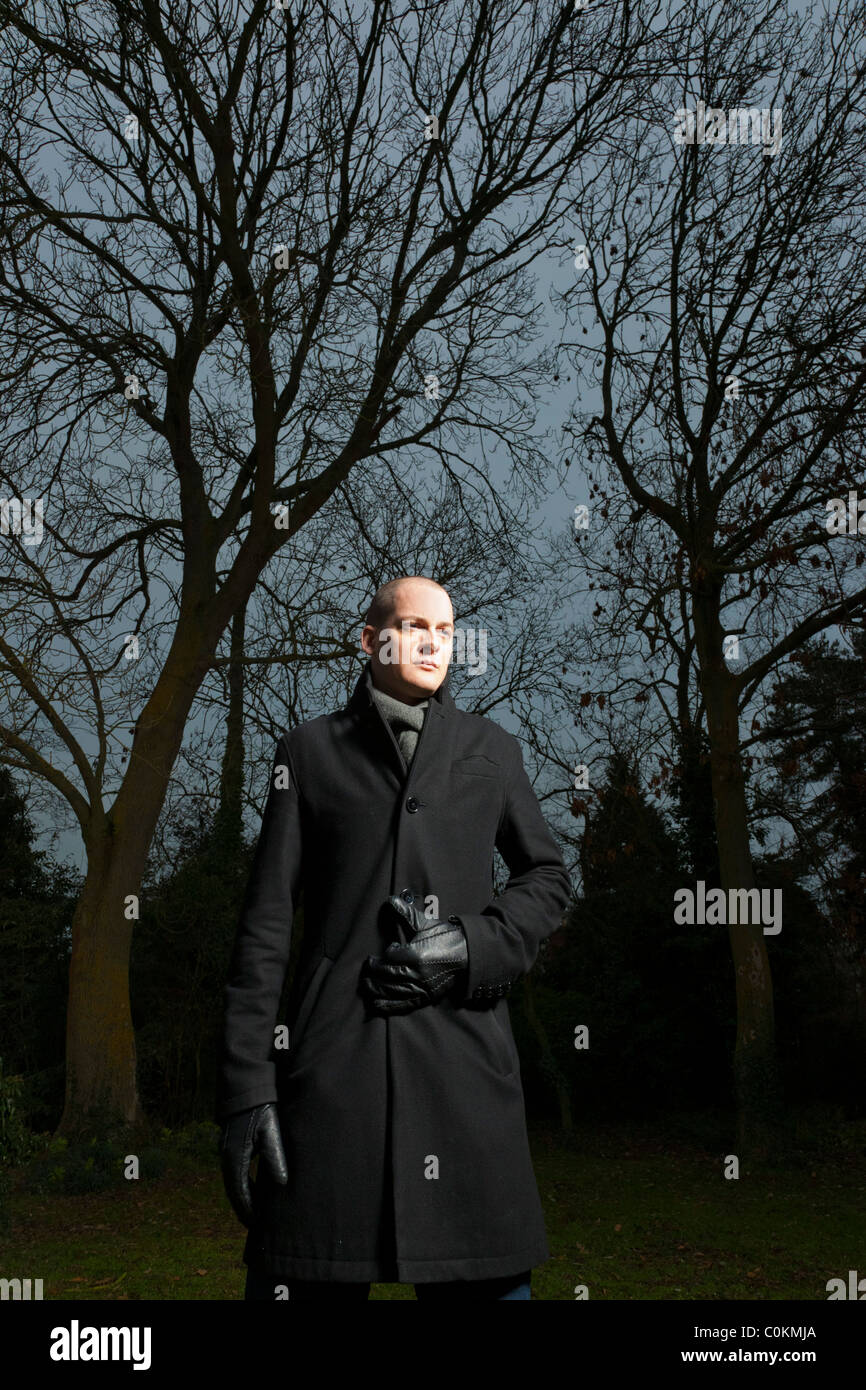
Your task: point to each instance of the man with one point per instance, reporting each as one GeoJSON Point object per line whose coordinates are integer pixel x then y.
{"type": "Point", "coordinates": [392, 1131]}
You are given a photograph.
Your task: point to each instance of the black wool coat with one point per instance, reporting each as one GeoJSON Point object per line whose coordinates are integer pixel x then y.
{"type": "Point", "coordinates": [405, 1136]}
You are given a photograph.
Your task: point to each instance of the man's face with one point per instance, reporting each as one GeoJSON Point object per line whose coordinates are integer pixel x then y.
{"type": "Point", "coordinates": [410, 655]}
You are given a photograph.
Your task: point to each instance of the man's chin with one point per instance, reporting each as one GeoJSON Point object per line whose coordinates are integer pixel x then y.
{"type": "Point", "coordinates": [424, 679]}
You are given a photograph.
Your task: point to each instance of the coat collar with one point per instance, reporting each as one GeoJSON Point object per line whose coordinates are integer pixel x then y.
{"type": "Point", "coordinates": [441, 701]}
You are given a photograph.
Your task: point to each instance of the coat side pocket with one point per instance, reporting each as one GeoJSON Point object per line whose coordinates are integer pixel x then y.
{"type": "Point", "coordinates": [509, 1052]}
{"type": "Point", "coordinates": [308, 1002]}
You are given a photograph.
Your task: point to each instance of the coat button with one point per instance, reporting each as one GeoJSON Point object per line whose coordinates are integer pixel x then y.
{"type": "Point", "coordinates": [407, 895]}
{"type": "Point", "coordinates": [412, 804]}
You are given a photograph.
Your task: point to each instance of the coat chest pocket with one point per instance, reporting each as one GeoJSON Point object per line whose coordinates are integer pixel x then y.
{"type": "Point", "coordinates": [475, 766]}
{"type": "Point", "coordinates": [477, 797]}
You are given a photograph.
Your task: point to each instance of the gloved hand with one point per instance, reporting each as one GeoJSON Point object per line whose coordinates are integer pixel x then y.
{"type": "Point", "coordinates": [427, 968]}
{"type": "Point", "coordinates": [245, 1134]}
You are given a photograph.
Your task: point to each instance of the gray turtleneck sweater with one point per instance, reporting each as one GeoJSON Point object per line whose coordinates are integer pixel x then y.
{"type": "Point", "coordinates": [405, 720]}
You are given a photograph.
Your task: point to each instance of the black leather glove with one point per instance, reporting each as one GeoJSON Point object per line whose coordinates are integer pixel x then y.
{"type": "Point", "coordinates": [245, 1134]}
{"type": "Point", "coordinates": [427, 968]}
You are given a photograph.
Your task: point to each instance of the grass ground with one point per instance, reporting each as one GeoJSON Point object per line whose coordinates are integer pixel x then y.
{"type": "Point", "coordinates": [633, 1212]}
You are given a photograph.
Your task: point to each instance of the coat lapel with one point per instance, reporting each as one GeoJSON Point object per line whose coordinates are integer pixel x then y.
{"type": "Point", "coordinates": [374, 723]}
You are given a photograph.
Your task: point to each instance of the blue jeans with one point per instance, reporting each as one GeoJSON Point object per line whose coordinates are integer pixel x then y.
{"type": "Point", "coordinates": [260, 1287]}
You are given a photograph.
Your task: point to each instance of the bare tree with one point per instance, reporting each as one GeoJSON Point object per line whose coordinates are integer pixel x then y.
{"type": "Point", "coordinates": [723, 325]}
{"type": "Point", "coordinates": [247, 248]}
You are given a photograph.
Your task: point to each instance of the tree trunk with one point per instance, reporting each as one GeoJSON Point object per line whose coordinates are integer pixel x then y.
{"type": "Point", "coordinates": [101, 1089]}
{"type": "Point", "coordinates": [756, 1077]}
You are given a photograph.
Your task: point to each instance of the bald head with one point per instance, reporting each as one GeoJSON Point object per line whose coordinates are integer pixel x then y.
{"type": "Point", "coordinates": [385, 600]}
